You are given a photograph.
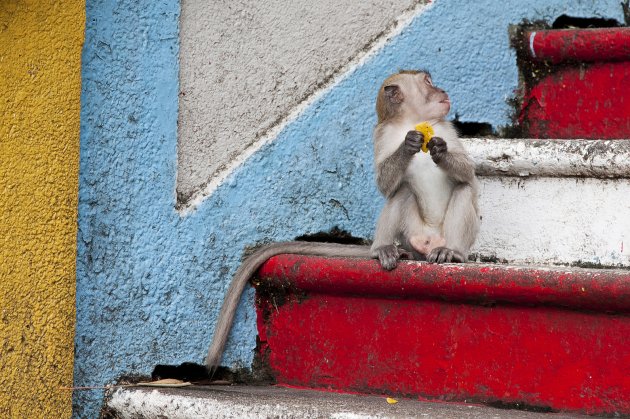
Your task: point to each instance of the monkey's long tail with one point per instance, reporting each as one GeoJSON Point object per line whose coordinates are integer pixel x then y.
{"type": "Point", "coordinates": [250, 266]}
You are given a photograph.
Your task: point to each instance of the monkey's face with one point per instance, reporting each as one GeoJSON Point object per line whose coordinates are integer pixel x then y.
{"type": "Point", "coordinates": [426, 100]}
{"type": "Point", "coordinates": [411, 95]}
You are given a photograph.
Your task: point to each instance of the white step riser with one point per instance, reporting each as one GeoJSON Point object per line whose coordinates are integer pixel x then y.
{"type": "Point", "coordinates": [554, 201]}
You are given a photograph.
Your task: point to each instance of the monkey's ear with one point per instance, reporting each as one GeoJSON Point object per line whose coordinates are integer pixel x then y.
{"type": "Point", "coordinates": [393, 93]}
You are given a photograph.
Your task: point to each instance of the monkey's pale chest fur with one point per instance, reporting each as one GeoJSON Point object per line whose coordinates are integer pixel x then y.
{"type": "Point", "coordinates": [428, 180]}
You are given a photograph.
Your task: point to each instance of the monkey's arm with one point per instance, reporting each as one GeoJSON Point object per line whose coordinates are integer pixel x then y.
{"type": "Point", "coordinates": [250, 266]}
{"type": "Point", "coordinates": [453, 159]}
{"type": "Point", "coordinates": [390, 172]}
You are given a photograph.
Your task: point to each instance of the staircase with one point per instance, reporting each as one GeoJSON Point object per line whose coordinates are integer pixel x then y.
{"type": "Point", "coordinates": [547, 326]}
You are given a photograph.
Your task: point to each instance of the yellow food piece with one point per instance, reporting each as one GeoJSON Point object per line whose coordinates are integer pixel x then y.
{"type": "Point", "coordinates": [391, 401]}
{"type": "Point", "coordinates": [427, 130]}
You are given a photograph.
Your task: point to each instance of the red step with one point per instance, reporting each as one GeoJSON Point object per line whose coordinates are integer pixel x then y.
{"type": "Point", "coordinates": [586, 93]}
{"type": "Point", "coordinates": [556, 338]}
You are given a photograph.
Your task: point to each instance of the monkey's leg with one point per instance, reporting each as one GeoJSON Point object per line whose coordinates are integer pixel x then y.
{"type": "Point", "coordinates": [404, 210]}
{"type": "Point", "coordinates": [388, 228]}
{"type": "Point", "coordinates": [416, 234]}
{"type": "Point", "coordinates": [461, 224]}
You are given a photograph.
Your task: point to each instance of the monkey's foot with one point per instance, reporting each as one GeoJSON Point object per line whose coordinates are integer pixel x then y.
{"type": "Point", "coordinates": [425, 244]}
{"type": "Point", "coordinates": [445, 255]}
{"type": "Point", "coordinates": [388, 255]}
{"type": "Point", "coordinates": [405, 254]}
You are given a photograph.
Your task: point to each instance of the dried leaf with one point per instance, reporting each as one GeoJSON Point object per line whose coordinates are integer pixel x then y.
{"type": "Point", "coordinates": [166, 382]}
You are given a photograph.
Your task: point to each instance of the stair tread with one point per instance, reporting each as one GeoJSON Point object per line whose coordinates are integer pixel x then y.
{"type": "Point", "coordinates": [578, 288]}
{"type": "Point", "coordinates": [282, 402]}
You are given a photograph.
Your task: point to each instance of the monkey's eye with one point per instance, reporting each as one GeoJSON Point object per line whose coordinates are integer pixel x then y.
{"type": "Point", "coordinates": [429, 81]}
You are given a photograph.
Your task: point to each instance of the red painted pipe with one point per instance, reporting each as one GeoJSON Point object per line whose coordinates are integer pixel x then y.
{"type": "Point", "coordinates": [582, 45]}
{"type": "Point", "coordinates": [591, 289]}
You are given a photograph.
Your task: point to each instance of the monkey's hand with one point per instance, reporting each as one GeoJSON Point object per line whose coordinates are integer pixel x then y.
{"type": "Point", "coordinates": [438, 149]}
{"type": "Point", "coordinates": [413, 142]}
{"type": "Point", "coordinates": [388, 256]}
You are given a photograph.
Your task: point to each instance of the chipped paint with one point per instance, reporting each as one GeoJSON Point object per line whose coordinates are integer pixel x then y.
{"type": "Point", "coordinates": [478, 283]}
{"type": "Point", "coordinates": [598, 159]}
{"type": "Point", "coordinates": [532, 36]}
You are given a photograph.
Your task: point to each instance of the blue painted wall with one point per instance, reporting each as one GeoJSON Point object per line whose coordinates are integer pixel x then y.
{"type": "Point", "coordinates": [149, 282]}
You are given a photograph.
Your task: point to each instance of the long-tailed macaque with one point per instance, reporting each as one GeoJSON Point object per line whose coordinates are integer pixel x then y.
{"type": "Point", "coordinates": [431, 209]}
{"type": "Point", "coordinates": [431, 205]}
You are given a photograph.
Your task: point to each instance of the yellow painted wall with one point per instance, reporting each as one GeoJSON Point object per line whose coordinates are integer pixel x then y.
{"type": "Point", "coordinates": [40, 81]}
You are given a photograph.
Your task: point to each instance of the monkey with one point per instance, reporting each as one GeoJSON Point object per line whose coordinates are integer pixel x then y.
{"type": "Point", "coordinates": [431, 205]}
{"type": "Point", "coordinates": [431, 201]}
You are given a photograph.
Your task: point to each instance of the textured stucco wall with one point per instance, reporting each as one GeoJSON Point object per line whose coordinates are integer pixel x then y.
{"type": "Point", "coordinates": [40, 59]}
{"type": "Point", "coordinates": [150, 281]}
{"type": "Point", "coordinates": [245, 64]}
